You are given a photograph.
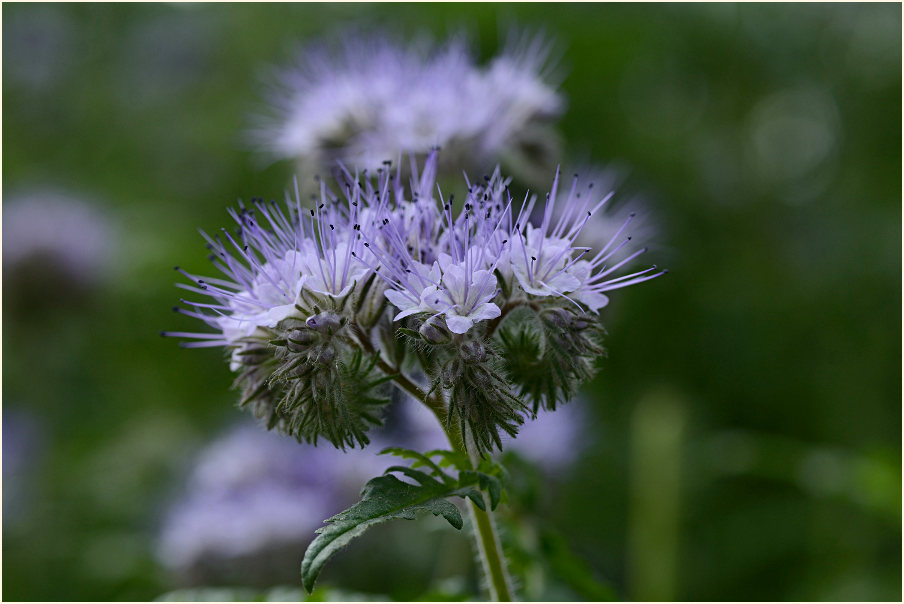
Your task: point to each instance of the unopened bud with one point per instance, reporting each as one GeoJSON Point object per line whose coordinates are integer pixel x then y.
{"type": "Point", "coordinates": [372, 306]}
{"type": "Point", "coordinates": [558, 317]}
{"type": "Point", "coordinates": [252, 357]}
{"type": "Point", "coordinates": [580, 323]}
{"type": "Point", "coordinates": [451, 373]}
{"type": "Point", "coordinates": [303, 369]}
{"type": "Point", "coordinates": [299, 340]}
{"type": "Point", "coordinates": [323, 355]}
{"type": "Point", "coordinates": [473, 352]}
{"type": "Point", "coordinates": [325, 322]}
{"type": "Point", "coordinates": [433, 333]}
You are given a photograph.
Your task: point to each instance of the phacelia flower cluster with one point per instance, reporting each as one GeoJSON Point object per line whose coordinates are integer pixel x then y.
{"type": "Point", "coordinates": [321, 306]}
{"type": "Point", "coordinates": [373, 98]}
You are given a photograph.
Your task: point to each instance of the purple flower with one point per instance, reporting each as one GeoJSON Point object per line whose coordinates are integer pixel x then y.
{"type": "Point", "coordinates": [373, 98]}
{"type": "Point", "coordinates": [251, 490]}
{"type": "Point", "coordinates": [433, 262]}
{"type": "Point", "coordinates": [307, 297]}
{"type": "Point", "coordinates": [74, 236]}
{"type": "Point", "coordinates": [548, 262]}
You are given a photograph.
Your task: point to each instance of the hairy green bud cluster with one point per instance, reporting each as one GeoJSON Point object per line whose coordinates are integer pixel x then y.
{"type": "Point", "coordinates": [467, 373]}
{"type": "Point", "coordinates": [309, 378]}
{"type": "Point", "coordinates": [549, 351]}
{"type": "Point", "coordinates": [492, 378]}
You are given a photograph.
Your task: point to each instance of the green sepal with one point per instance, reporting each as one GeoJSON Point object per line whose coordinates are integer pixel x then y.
{"type": "Point", "coordinates": [410, 333]}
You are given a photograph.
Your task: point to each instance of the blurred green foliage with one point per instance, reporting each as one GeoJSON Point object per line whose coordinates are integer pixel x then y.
{"type": "Point", "coordinates": [767, 139]}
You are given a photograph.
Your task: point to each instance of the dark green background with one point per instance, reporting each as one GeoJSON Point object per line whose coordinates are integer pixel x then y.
{"type": "Point", "coordinates": [768, 363]}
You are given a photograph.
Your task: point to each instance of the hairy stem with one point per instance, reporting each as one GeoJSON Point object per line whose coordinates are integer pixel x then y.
{"type": "Point", "coordinates": [491, 554]}
{"type": "Point", "coordinates": [488, 544]}
{"type": "Point", "coordinates": [402, 381]}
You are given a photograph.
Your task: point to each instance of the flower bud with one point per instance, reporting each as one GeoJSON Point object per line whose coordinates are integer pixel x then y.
{"type": "Point", "coordinates": [558, 317]}
{"type": "Point", "coordinates": [433, 333]}
{"type": "Point", "coordinates": [581, 323]}
{"type": "Point", "coordinates": [372, 303]}
{"type": "Point", "coordinates": [325, 322]}
{"type": "Point", "coordinates": [299, 340]}
{"type": "Point", "coordinates": [473, 352]}
{"type": "Point", "coordinates": [451, 373]}
{"type": "Point", "coordinates": [323, 355]}
{"type": "Point", "coordinates": [303, 369]}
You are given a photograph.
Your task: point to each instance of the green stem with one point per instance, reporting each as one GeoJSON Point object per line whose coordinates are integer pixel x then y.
{"type": "Point", "coordinates": [488, 545]}
{"type": "Point", "coordinates": [491, 554]}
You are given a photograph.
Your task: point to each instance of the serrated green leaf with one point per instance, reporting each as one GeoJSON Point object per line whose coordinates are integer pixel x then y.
{"type": "Point", "coordinates": [419, 459]}
{"type": "Point", "coordinates": [383, 498]}
{"type": "Point", "coordinates": [488, 483]}
{"type": "Point", "coordinates": [457, 460]}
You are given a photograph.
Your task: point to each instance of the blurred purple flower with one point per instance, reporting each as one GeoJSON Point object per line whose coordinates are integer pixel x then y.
{"type": "Point", "coordinates": [21, 446]}
{"type": "Point", "coordinates": [252, 490]}
{"type": "Point", "coordinates": [553, 440]}
{"type": "Point", "coordinates": [45, 227]}
{"type": "Point", "coordinates": [375, 98]}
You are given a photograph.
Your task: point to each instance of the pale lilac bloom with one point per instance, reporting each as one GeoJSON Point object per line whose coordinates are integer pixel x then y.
{"type": "Point", "coordinates": [251, 490]}
{"type": "Point", "coordinates": [432, 261]}
{"type": "Point", "coordinates": [517, 85]}
{"type": "Point", "coordinates": [463, 295]}
{"type": "Point", "coordinates": [268, 264]}
{"type": "Point", "coordinates": [373, 99]}
{"type": "Point", "coordinates": [553, 440]}
{"type": "Point", "coordinates": [548, 262]}
{"type": "Point", "coordinates": [76, 237]}
{"type": "Point", "coordinates": [23, 446]}
{"type": "Point", "coordinates": [460, 285]}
